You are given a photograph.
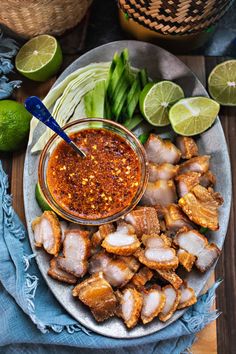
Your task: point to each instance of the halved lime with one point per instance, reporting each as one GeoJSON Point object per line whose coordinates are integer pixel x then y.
{"type": "Point", "coordinates": [194, 115]}
{"type": "Point", "coordinates": [156, 99]}
{"type": "Point", "coordinates": [40, 58]}
{"type": "Point", "coordinates": [222, 83]}
{"type": "Point", "coordinates": [40, 199]}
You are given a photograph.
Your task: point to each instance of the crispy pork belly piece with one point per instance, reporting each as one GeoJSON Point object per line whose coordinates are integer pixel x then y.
{"type": "Point", "coordinates": [160, 151]}
{"type": "Point", "coordinates": [123, 241]}
{"type": "Point", "coordinates": [47, 232]}
{"type": "Point", "coordinates": [197, 245]}
{"type": "Point", "coordinates": [142, 277]}
{"type": "Point", "coordinates": [158, 258]}
{"type": "Point", "coordinates": [131, 262]}
{"type": "Point", "coordinates": [201, 206]}
{"type": "Point", "coordinates": [98, 262]}
{"type": "Point", "coordinates": [207, 257]}
{"type": "Point", "coordinates": [160, 210]}
{"type": "Point", "coordinates": [76, 250]}
{"type": "Point", "coordinates": [191, 241]}
{"type": "Point", "coordinates": [195, 164]}
{"type": "Point", "coordinates": [187, 146]}
{"type": "Point", "coordinates": [187, 297]}
{"type": "Point", "coordinates": [56, 273]}
{"type": "Point", "coordinates": [156, 241]}
{"type": "Point", "coordinates": [175, 219]}
{"type": "Point", "coordinates": [186, 181]}
{"type": "Point", "coordinates": [164, 171]}
{"type": "Point", "coordinates": [144, 220]}
{"type": "Point", "coordinates": [115, 271]}
{"type": "Point", "coordinates": [172, 300]}
{"type": "Point", "coordinates": [160, 192]}
{"type": "Point", "coordinates": [186, 259]}
{"type": "Point", "coordinates": [131, 302]}
{"type": "Point", "coordinates": [64, 227]}
{"type": "Point", "coordinates": [99, 235]}
{"type": "Point", "coordinates": [118, 273]}
{"type": "Point", "coordinates": [171, 277]}
{"type": "Point", "coordinates": [97, 294]}
{"type": "Point", "coordinates": [153, 304]}
{"type": "Point", "coordinates": [207, 179]}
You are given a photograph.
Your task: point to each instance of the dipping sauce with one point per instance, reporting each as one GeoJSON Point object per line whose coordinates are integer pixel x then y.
{"type": "Point", "coordinates": [99, 185]}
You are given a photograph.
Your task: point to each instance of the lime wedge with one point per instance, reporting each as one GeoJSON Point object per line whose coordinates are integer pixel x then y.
{"type": "Point", "coordinates": [40, 199]}
{"type": "Point", "coordinates": [194, 115]}
{"type": "Point", "coordinates": [156, 99]}
{"type": "Point", "coordinates": [222, 83]}
{"type": "Point", "coordinates": [40, 58]}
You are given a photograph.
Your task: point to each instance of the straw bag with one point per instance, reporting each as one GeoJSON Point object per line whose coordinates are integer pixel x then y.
{"type": "Point", "coordinates": [175, 17]}
{"type": "Point", "coordinates": [28, 18]}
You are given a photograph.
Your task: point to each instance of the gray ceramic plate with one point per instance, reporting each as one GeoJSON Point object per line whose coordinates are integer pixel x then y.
{"type": "Point", "coordinates": [160, 64]}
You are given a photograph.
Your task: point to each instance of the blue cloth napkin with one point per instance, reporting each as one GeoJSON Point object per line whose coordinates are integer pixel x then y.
{"type": "Point", "coordinates": [8, 49]}
{"type": "Point", "coordinates": [31, 315]}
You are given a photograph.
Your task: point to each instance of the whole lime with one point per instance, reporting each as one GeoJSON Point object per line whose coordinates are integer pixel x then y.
{"type": "Point", "coordinates": [14, 125]}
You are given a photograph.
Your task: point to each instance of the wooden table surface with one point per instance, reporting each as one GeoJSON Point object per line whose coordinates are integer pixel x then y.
{"type": "Point", "coordinates": [220, 336]}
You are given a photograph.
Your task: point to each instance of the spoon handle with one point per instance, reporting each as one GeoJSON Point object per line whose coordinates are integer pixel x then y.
{"type": "Point", "coordinates": [36, 107]}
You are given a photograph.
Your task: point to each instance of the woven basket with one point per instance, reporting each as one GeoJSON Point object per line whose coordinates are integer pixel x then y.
{"type": "Point", "coordinates": [175, 16]}
{"type": "Point", "coordinates": [28, 18]}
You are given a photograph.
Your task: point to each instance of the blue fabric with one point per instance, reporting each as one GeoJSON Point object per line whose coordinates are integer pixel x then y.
{"type": "Point", "coordinates": [8, 49]}
{"type": "Point", "coordinates": [31, 315]}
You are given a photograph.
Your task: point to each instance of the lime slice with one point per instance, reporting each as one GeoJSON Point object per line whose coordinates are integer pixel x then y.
{"type": "Point", "coordinates": [222, 83]}
{"type": "Point", "coordinates": [40, 199]}
{"type": "Point", "coordinates": [194, 115]}
{"type": "Point", "coordinates": [156, 99]}
{"type": "Point", "coordinates": [40, 58]}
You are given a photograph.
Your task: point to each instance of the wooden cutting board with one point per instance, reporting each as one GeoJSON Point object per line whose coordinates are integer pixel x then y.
{"type": "Point", "coordinates": [206, 341]}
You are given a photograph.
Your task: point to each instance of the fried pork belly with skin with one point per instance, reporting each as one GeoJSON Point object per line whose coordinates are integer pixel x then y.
{"type": "Point", "coordinates": [175, 219]}
{"type": "Point", "coordinates": [187, 146]}
{"type": "Point", "coordinates": [186, 182]}
{"type": "Point", "coordinates": [144, 220]}
{"type": "Point", "coordinates": [197, 245]}
{"type": "Point", "coordinates": [97, 294]}
{"type": "Point", "coordinates": [195, 164]}
{"type": "Point", "coordinates": [171, 277]}
{"type": "Point", "coordinates": [164, 171]}
{"type": "Point", "coordinates": [58, 274]}
{"type": "Point", "coordinates": [76, 250]}
{"type": "Point", "coordinates": [187, 297]}
{"type": "Point", "coordinates": [47, 232]}
{"type": "Point", "coordinates": [160, 192]}
{"type": "Point", "coordinates": [115, 271]}
{"type": "Point", "coordinates": [158, 258]}
{"type": "Point", "coordinates": [201, 206]}
{"type": "Point", "coordinates": [207, 257]}
{"type": "Point", "coordinates": [123, 241]}
{"type": "Point", "coordinates": [172, 300]}
{"type": "Point", "coordinates": [207, 179]}
{"type": "Point", "coordinates": [142, 277]}
{"type": "Point", "coordinates": [186, 259]}
{"type": "Point", "coordinates": [64, 227]}
{"type": "Point", "coordinates": [153, 304]}
{"type": "Point", "coordinates": [131, 302]}
{"type": "Point", "coordinates": [99, 236]}
{"type": "Point", "coordinates": [131, 262]}
{"type": "Point", "coordinates": [160, 151]}
{"type": "Point", "coordinates": [156, 241]}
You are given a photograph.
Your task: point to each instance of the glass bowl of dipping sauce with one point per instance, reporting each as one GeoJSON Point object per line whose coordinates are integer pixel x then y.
{"type": "Point", "coordinates": [102, 187]}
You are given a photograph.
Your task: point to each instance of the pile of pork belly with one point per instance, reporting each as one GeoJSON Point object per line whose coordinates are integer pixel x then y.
{"type": "Point", "coordinates": [135, 268]}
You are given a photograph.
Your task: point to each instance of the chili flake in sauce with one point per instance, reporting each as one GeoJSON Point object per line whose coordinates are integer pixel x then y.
{"type": "Point", "coordinates": [99, 185]}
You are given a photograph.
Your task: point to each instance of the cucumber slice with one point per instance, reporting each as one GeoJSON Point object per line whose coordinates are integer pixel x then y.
{"type": "Point", "coordinates": [98, 99]}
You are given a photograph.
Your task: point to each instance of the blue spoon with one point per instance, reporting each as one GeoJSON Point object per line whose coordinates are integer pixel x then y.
{"type": "Point", "coordinates": [36, 107]}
